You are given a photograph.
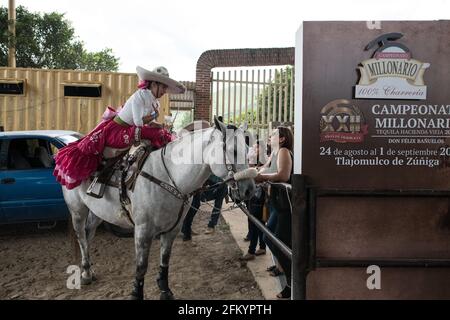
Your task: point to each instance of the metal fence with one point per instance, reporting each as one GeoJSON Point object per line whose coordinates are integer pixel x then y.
{"type": "Point", "coordinates": [181, 106]}
{"type": "Point", "coordinates": [258, 96]}
{"type": "Point", "coordinates": [183, 101]}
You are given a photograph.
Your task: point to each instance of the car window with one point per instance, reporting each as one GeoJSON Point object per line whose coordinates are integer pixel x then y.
{"type": "Point", "coordinates": [4, 144]}
{"type": "Point", "coordinates": [26, 154]}
{"type": "Point", "coordinates": [68, 138]}
{"type": "Point", "coordinates": [53, 149]}
{"type": "Point", "coordinates": [65, 139]}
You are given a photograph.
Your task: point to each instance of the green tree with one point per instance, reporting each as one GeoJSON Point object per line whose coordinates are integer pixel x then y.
{"type": "Point", "coordinates": [47, 40]}
{"type": "Point", "coordinates": [100, 61]}
{"type": "Point", "coordinates": [266, 98]}
{"type": "Point", "coordinates": [250, 117]}
{"type": "Point", "coordinates": [183, 118]}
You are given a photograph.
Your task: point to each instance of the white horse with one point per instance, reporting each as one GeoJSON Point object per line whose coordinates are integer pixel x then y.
{"type": "Point", "coordinates": [156, 210]}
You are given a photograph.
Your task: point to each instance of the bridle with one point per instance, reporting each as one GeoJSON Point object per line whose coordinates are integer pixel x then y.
{"type": "Point", "coordinates": [231, 167]}
{"type": "Point", "coordinates": [173, 189]}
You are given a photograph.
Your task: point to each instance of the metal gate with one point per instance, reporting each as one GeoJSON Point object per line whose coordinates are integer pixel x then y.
{"type": "Point", "coordinates": [181, 106]}
{"type": "Point", "coordinates": [259, 96]}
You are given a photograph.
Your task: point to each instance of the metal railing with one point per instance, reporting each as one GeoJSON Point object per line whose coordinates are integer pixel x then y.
{"type": "Point", "coordinates": [272, 237]}
{"type": "Point", "coordinates": [277, 242]}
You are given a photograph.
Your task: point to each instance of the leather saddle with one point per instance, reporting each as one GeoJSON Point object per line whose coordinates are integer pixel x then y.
{"type": "Point", "coordinates": [119, 169]}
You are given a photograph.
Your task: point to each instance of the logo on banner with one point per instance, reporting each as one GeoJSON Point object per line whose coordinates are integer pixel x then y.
{"type": "Point", "coordinates": [342, 122]}
{"type": "Point", "coordinates": [392, 73]}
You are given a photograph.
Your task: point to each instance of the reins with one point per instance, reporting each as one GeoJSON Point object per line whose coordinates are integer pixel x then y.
{"type": "Point", "coordinates": [173, 189]}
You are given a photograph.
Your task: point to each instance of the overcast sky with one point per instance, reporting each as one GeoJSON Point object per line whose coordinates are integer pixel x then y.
{"type": "Point", "coordinates": [174, 33]}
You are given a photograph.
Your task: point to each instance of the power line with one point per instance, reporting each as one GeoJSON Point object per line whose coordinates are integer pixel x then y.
{"type": "Point", "coordinates": [36, 105]}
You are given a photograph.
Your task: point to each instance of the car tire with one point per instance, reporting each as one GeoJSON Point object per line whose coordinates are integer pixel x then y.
{"type": "Point", "coordinates": [118, 231]}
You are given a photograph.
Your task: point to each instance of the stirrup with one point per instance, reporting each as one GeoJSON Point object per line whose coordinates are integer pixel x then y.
{"type": "Point", "coordinates": [96, 189]}
{"type": "Point", "coordinates": [125, 200]}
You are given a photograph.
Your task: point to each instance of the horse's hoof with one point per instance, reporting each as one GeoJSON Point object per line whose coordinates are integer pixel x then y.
{"type": "Point", "coordinates": [167, 295]}
{"type": "Point", "coordinates": [134, 297]}
{"type": "Point", "coordinates": [86, 281]}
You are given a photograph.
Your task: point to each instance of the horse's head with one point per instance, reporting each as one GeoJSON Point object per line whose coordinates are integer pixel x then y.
{"type": "Point", "coordinates": [227, 157]}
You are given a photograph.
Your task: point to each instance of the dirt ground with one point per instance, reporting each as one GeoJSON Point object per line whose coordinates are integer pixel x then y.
{"type": "Point", "coordinates": [33, 265]}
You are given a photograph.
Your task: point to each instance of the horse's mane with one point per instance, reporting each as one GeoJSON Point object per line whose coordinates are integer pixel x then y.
{"type": "Point", "coordinates": [189, 135]}
{"type": "Point", "coordinates": [191, 126]}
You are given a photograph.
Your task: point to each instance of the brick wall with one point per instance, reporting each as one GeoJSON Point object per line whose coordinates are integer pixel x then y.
{"type": "Point", "coordinates": [232, 58]}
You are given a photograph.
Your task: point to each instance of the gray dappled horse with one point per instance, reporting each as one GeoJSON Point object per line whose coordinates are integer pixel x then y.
{"type": "Point", "coordinates": [162, 196]}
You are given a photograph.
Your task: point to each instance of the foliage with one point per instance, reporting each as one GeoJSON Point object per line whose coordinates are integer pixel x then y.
{"type": "Point", "coordinates": [266, 98]}
{"type": "Point", "coordinates": [183, 118]}
{"type": "Point", "coordinates": [47, 40]}
{"type": "Point", "coordinates": [270, 90]}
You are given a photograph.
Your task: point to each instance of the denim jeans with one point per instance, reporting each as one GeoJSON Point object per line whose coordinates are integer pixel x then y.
{"type": "Point", "coordinates": [254, 235]}
{"type": "Point", "coordinates": [271, 225]}
{"type": "Point", "coordinates": [283, 231]}
{"type": "Point", "coordinates": [273, 219]}
{"type": "Point", "coordinates": [187, 223]}
{"type": "Point", "coordinates": [255, 206]}
{"type": "Point", "coordinates": [218, 195]}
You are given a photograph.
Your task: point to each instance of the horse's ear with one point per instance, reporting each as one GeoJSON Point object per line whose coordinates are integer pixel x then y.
{"type": "Point", "coordinates": [219, 125]}
{"type": "Point", "coordinates": [244, 126]}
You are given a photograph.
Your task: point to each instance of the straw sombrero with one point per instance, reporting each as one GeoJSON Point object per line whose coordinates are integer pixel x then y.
{"type": "Point", "coordinates": [160, 74]}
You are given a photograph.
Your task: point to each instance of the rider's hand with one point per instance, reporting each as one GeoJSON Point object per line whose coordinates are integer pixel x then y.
{"type": "Point", "coordinates": [155, 125]}
{"type": "Point", "coordinates": [137, 136]}
{"type": "Point", "coordinates": [148, 119]}
{"type": "Point", "coordinates": [155, 115]}
{"type": "Point", "coordinates": [259, 178]}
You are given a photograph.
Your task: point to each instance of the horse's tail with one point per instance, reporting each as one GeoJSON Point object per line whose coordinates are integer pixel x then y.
{"type": "Point", "coordinates": [75, 248]}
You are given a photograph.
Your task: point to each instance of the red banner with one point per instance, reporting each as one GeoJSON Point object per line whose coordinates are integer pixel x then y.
{"type": "Point", "coordinates": [342, 137]}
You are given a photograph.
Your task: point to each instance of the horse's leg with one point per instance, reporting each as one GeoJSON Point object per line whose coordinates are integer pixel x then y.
{"type": "Point", "coordinates": [163, 279]}
{"type": "Point", "coordinates": [91, 226]}
{"type": "Point", "coordinates": [142, 241]}
{"type": "Point", "coordinates": [79, 218]}
{"type": "Point", "coordinates": [92, 223]}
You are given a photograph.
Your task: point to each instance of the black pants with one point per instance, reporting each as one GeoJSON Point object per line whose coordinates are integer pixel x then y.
{"type": "Point", "coordinates": [254, 233]}
{"type": "Point", "coordinates": [255, 206]}
{"type": "Point", "coordinates": [217, 194]}
{"type": "Point", "coordinates": [283, 231]}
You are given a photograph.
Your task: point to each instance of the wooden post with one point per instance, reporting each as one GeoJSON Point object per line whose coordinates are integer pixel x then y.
{"type": "Point", "coordinates": [299, 237]}
{"type": "Point", "coordinates": [12, 34]}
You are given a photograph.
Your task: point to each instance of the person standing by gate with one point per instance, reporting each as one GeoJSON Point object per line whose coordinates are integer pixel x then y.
{"type": "Point", "coordinates": [280, 170]}
{"type": "Point", "coordinates": [257, 157]}
{"type": "Point", "coordinates": [217, 194]}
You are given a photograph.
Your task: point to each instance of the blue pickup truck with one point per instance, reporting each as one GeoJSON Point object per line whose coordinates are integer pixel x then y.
{"type": "Point", "coordinates": [28, 189]}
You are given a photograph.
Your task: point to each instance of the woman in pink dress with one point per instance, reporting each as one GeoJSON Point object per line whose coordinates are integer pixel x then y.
{"type": "Point", "coordinates": [78, 160]}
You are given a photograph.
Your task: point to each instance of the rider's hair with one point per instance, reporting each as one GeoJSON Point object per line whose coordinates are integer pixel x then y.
{"type": "Point", "coordinates": [286, 133]}
{"type": "Point", "coordinates": [149, 84]}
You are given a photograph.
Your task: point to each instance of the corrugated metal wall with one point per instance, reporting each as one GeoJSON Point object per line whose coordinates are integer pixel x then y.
{"type": "Point", "coordinates": [184, 101]}
{"type": "Point", "coordinates": [44, 106]}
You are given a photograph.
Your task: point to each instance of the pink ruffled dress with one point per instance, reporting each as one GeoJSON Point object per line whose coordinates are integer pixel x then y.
{"type": "Point", "coordinates": [78, 160]}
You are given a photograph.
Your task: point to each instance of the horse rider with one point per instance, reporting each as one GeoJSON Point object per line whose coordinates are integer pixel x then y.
{"type": "Point", "coordinates": [119, 129]}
